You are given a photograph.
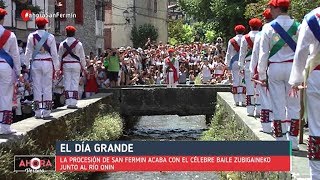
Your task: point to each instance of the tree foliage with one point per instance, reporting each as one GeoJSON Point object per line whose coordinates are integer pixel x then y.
{"type": "Point", "coordinates": [180, 32]}
{"type": "Point", "coordinates": [139, 36]}
{"type": "Point", "coordinates": [222, 14]}
{"type": "Point", "coordinates": [298, 9]}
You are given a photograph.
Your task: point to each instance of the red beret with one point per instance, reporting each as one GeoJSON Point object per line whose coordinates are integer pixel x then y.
{"type": "Point", "coordinates": [267, 14]}
{"type": "Point", "coordinates": [279, 3]}
{"type": "Point", "coordinates": [171, 50]}
{"type": "Point", "coordinates": [255, 22]}
{"type": "Point", "coordinates": [70, 29]}
{"type": "Point", "coordinates": [3, 12]}
{"type": "Point", "coordinates": [41, 21]}
{"type": "Point", "coordinates": [240, 28]}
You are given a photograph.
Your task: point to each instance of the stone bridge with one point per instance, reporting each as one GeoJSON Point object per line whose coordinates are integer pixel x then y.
{"type": "Point", "coordinates": [158, 100]}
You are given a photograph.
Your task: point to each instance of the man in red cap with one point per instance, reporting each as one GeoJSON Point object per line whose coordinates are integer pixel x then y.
{"type": "Point", "coordinates": [72, 58]}
{"type": "Point", "coordinates": [244, 64]}
{"type": "Point", "coordinates": [306, 72]}
{"type": "Point", "coordinates": [171, 69]}
{"type": "Point", "coordinates": [232, 57]}
{"type": "Point", "coordinates": [263, 96]}
{"type": "Point", "coordinates": [42, 56]}
{"type": "Point", "coordinates": [10, 68]}
{"type": "Point", "coordinates": [278, 44]}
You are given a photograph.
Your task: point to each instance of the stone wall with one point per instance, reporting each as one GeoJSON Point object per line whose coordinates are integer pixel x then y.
{"type": "Point", "coordinates": [65, 123]}
{"type": "Point", "coordinates": [166, 101]}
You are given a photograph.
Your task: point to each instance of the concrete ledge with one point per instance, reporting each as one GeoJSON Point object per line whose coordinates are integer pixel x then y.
{"type": "Point", "coordinates": [63, 123]}
{"type": "Point", "coordinates": [300, 167]}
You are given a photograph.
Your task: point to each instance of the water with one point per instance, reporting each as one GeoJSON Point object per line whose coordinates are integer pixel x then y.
{"type": "Point", "coordinates": [164, 128]}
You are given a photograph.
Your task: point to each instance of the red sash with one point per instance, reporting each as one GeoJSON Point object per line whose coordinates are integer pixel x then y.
{"type": "Point", "coordinates": [175, 73]}
{"type": "Point", "coordinates": [4, 38]}
{"type": "Point", "coordinates": [249, 41]}
{"type": "Point", "coordinates": [235, 44]}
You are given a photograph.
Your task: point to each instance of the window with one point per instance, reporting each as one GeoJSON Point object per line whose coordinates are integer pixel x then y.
{"type": "Point", "coordinates": [78, 8]}
{"type": "Point", "coordinates": [20, 7]}
{"type": "Point", "coordinates": [155, 6]}
{"type": "Point", "coordinates": [99, 10]}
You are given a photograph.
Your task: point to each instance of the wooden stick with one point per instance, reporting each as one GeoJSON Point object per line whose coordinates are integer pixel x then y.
{"type": "Point", "coordinates": [301, 120]}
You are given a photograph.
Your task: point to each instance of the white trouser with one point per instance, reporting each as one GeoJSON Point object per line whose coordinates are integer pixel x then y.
{"type": "Point", "coordinates": [41, 74]}
{"type": "Point", "coordinates": [237, 84]}
{"type": "Point", "coordinates": [257, 105]}
{"type": "Point", "coordinates": [6, 95]}
{"type": "Point", "coordinates": [171, 83]}
{"type": "Point", "coordinates": [266, 114]}
{"type": "Point", "coordinates": [313, 103]}
{"type": "Point", "coordinates": [249, 89]}
{"type": "Point", "coordinates": [71, 85]}
{"type": "Point", "coordinates": [284, 108]}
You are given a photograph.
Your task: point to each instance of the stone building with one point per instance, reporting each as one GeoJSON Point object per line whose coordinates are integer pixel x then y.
{"type": "Point", "coordinates": [86, 15]}
{"type": "Point", "coordinates": [89, 21]}
{"type": "Point", "coordinates": [14, 21]}
{"type": "Point", "coordinates": [122, 16]}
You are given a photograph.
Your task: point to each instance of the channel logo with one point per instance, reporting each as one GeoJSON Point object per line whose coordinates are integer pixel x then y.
{"type": "Point", "coordinates": [34, 163]}
{"type": "Point", "coordinates": [26, 15]}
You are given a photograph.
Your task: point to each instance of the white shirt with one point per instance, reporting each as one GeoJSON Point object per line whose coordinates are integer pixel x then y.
{"type": "Point", "coordinates": [11, 47]}
{"type": "Point", "coordinates": [51, 42]}
{"type": "Point", "coordinates": [206, 71]}
{"type": "Point", "coordinates": [231, 51]}
{"type": "Point", "coordinates": [244, 49]}
{"type": "Point", "coordinates": [255, 54]}
{"type": "Point", "coordinates": [267, 34]}
{"type": "Point", "coordinates": [77, 50]}
{"type": "Point", "coordinates": [307, 43]}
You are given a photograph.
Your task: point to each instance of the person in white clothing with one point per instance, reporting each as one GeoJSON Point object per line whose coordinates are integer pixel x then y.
{"type": "Point", "coordinates": [231, 61]}
{"type": "Point", "coordinates": [10, 68]}
{"type": "Point", "coordinates": [73, 61]}
{"type": "Point", "coordinates": [41, 52]}
{"type": "Point", "coordinates": [171, 69]}
{"type": "Point", "coordinates": [307, 62]}
{"type": "Point", "coordinates": [206, 71]}
{"type": "Point", "coordinates": [244, 63]}
{"type": "Point", "coordinates": [262, 92]}
{"type": "Point", "coordinates": [275, 59]}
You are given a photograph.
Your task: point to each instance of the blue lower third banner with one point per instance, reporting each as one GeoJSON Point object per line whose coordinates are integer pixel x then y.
{"type": "Point", "coordinates": [111, 156]}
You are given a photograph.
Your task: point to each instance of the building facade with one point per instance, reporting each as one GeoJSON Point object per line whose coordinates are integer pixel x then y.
{"type": "Point", "coordinates": [86, 15]}
{"type": "Point", "coordinates": [122, 16]}
{"type": "Point", "coordinates": [88, 20]}
{"type": "Point", "coordinates": [14, 21]}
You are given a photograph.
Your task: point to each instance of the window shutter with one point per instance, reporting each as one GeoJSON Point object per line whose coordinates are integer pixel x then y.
{"type": "Point", "coordinates": [63, 9]}
{"type": "Point", "coordinates": [78, 8]}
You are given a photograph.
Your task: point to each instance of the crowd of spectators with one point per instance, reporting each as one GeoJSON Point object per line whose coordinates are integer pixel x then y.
{"type": "Point", "coordinates": [200, 63]}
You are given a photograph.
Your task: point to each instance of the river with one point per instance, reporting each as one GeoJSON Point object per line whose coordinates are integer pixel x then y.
{"type": "Point", "coordinates": [164, 128]}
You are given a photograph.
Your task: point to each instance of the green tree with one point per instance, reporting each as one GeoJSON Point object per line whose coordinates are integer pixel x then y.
{"type": "Point", "coordinates": [298, 9]}
{"type": "Point", "coordinates": [180, 33]}
{"type": "Point", "coordinates": [139, 36]}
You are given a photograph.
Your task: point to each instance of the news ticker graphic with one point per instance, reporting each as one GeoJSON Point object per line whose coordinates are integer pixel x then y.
{"type": "Point", "coordinates": [34, 163]}
{"type": "Point", "coordinates": [111, 156]}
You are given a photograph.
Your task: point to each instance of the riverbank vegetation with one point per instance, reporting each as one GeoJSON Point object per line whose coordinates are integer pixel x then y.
{"type": "Point", "coordinates": [224, 127]}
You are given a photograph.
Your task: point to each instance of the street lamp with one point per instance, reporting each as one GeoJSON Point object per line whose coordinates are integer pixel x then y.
{"type": "Point", "coordinates": [126, 16]}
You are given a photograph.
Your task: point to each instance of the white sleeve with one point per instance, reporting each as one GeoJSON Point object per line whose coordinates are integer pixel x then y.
{"type": "Point", "coordinates": [264, 54]}
{"type": "Point", "coordinates": [14, 53]}
{"type": "Point", "coordinates": [29, 50]}
{"type": "Point", "coordinates": [243, 52]}
{"type": "Point", "coordinates": [305, 38]}
{"type": "Point", "coordinates": [54, 54]}
{"type": "Point", "coordinates": [230, 53]}
{"type": "Point", "coordinates": [82, 55]}
{"type": "Point", "coordinates": [255, 55]}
